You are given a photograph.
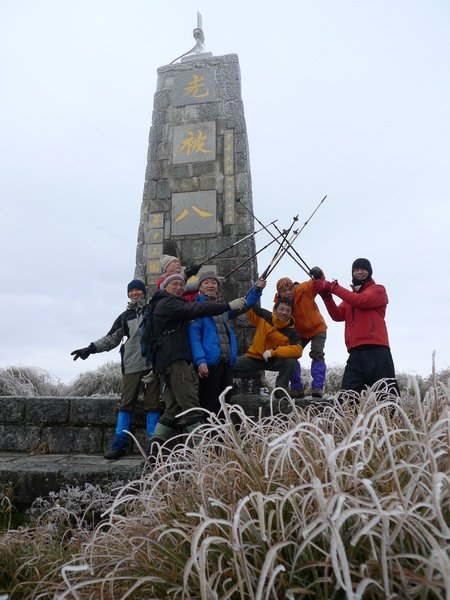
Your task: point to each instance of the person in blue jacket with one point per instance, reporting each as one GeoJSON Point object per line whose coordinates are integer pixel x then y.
{"type": "Point", "coordinates": [213, 343]}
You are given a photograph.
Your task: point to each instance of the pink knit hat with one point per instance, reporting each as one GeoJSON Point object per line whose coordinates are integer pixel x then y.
{"type": "Point", "coordinates": [170, 277]}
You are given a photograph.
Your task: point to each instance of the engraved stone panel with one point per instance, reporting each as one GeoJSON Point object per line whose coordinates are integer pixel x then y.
{"type": "Point", "coordinates": [194, 213]}
{"type": "Point", "coordinates": [195, 87]}
{"type": "Point", "coordinates": [228, 217]}
{"type": "Point", "coordinates": [195, 142]}
{"type": "Point", "coordinates": [153, 266]}
{"type": "Point", "coordinates": [228, 152]}
{"type": "Point", "coordinates": [156, 236]}
{"type": "Point", "coordinates": [155, 250]}
{"type": "Point", "coordinates": [157, 220]}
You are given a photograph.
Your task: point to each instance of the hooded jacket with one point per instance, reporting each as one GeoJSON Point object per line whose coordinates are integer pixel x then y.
{"type": "Point", "coordinates": [363, 312]}
{"type": "Point", "coordinates": [126, 326]}
{"type": "Point", "coordinates": [204, 337]}
{"type": "Point", "coordinates": [170, 319]}
{"type": "Point", "coordinates": [307, 316]}
{"type": "Point", "coordinates": [272, 334]}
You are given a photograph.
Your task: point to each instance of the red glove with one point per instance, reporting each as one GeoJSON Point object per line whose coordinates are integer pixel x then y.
{"type": "Point", "coordinates": [324, 287]}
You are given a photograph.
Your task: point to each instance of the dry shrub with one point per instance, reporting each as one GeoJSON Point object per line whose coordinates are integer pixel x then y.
{"type": "Point", "coordinates": [27, 381]}
{"type": "Point", "coordinates": [106, 380]}
{"type": "Point", "coordinates": [348, 501]}
{"type": "Point", "coordinates": [57, 527]}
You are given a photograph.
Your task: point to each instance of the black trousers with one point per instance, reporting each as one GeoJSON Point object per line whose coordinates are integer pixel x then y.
{"type": "Point", "coordinates": [366, 365]}
{"type": "Point", "coordinates": [210, 388]}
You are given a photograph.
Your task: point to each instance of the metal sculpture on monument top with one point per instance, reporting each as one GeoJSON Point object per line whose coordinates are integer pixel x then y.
{"type": "Point", "coordinates": [199, 47]}
{"type": "Point", "coordinates": [198, 165]}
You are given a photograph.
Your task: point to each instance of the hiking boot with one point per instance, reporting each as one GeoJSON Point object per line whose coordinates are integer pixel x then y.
{"type": "Point", "coordinates": [196, 438]}
{"type": "Point", "coordinates": [152, 447]}
{"type": "Point", "coordinates": [297, 393]}
{"type": "Point", "coordinates": [316, 393]}
{"type": "Point", "coordinates": [115, 453]}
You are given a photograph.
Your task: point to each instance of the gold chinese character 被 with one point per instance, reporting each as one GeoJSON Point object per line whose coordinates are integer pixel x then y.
{"type": "Point", "coordinates": [192, 144]}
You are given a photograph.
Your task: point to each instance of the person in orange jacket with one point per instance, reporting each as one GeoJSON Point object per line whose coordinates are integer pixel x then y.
{"type": "Point", "coordinates": [276, 345]}
{"type": "Point", "coordinates": [312, 328]}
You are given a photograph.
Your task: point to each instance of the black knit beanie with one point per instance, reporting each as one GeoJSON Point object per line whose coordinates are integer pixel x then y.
{"type": "Point", "coordinates": [362, 263]}
{"type": "Point", "coordinates": [136, 284]}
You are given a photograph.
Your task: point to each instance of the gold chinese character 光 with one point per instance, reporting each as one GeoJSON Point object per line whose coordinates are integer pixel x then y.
{"type": "Point", "coordinates": [192, 144]}
{"type": "Point", "coordinates": [193, 87]}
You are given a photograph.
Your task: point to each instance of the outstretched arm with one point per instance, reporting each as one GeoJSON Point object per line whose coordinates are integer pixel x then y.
{"type": "Point", "coordinates": [251, 299]}
{"type": "Point", "coordinates": [373, 296]}
{"type": "Point", "coordinates": [337, 313]}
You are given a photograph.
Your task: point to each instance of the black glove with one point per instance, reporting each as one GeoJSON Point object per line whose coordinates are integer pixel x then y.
{"type": "Point", "coordinates": [191, 270]}
{"type": "Point", "coordinates": [316, 273]}
{"type": "Point", "coordinates": [83, 353]}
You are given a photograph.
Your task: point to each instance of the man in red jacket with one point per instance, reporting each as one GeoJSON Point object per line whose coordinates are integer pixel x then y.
{"type": "Point", "coordinates": [366, 337]}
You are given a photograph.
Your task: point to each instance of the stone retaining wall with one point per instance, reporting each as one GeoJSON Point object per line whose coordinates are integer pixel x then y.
{"type": "Point", "coordinates": [62, 425]}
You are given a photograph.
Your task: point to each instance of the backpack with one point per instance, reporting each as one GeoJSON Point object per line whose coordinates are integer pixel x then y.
{"type": "Point", "coordinates": [147, 335]}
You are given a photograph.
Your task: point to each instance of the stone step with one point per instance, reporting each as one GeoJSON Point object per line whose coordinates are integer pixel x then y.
{"type": "Point", "coordinates": [46, 443]}
{"type": "Point", "coordinates": [34, 476]}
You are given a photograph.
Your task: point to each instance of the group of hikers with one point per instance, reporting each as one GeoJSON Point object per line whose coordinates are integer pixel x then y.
{"type": "Point", "coordinates": [180, 346]}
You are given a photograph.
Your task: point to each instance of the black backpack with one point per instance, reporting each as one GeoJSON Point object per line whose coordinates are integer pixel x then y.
{"type": "Point", "coordinates": [147, 335]}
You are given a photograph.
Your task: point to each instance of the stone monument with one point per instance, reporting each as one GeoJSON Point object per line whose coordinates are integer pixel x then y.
{"type": "Point", "coordinates": [198, 166]}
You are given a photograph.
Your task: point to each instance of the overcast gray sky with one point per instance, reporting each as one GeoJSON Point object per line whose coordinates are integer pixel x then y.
{"type": "Point", "coordinates": [344, 98]}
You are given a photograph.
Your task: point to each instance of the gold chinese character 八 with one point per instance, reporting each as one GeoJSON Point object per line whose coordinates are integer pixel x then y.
{"type": "Point", "coordinates": [193, 87]}
{"type": "Point", "coordinates": [204, 214]}
{"type": "Point", "coordinates": [192, 144]}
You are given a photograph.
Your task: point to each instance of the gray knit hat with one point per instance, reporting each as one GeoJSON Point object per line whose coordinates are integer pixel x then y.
{"type": "Point", "coordinates": [165, 260]}
{"type": "Point", "coordinates": [207, 275]}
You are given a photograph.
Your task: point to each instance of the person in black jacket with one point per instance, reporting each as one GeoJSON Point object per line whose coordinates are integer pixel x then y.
{"type": "Point", "coordinates": [171, 352]}
{"type": "Point", "coordinates": [134, 367]}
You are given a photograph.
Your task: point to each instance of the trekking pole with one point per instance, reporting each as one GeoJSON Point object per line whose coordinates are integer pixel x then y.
{"type": "Point", "coordinates": [249, 258]}
{"type": "Point", "coordinates": [299, 232]}
{"type": "Point", "coordinates": [282, 248]}
{"type": "Point", "coordinates": [312, 214]}
{"type": "Point", "coordinates": [269, 232]}
{"type": "Point", "coordinates": [276, 258]}
{"type": "Point", "coordinates": [302, 228]}
{"type": "Point", "coordinates": [235, 244]}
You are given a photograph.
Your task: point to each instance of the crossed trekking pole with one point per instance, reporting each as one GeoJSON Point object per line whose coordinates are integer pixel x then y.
{"type": "Point", "coordinates": [284, 238]}
{"type": "Point", "coordinates": [285, 243]}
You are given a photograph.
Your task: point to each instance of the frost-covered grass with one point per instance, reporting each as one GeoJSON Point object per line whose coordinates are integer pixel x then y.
{"type": "Point", "coordinates": [27, 381]}
{"type": "Point", "coordinates": [107, 380]}
{"type": "Point", "coordinates": [352, 501]}
{"type": "Point", "coordinates": [103, 381]}
{"type": "Point", "coordinates": [56, 528]}
{"type": "Point", "coordinates": [31, 381]}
